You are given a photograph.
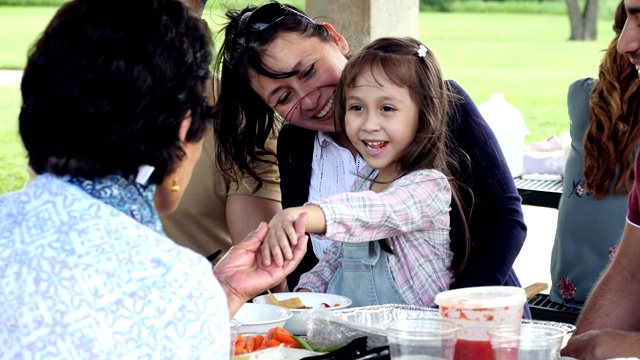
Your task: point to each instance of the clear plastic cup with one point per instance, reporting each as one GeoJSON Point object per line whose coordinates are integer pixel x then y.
{"type": "Point", "coordinates": [424, 339]}
{"type": "Point", "coordinates": [234, 329]}
{"type": "Point", "coordinates": [534, 342]}
{"type": "Point", "coordinates": [477, 310]}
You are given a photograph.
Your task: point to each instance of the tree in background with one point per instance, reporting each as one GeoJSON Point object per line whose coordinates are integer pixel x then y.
{"type": "Point", "coordinates": [583, 24]}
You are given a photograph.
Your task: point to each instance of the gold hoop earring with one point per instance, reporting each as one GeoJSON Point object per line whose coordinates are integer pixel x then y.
{"type": "Point", "coordinates": [175, 187]}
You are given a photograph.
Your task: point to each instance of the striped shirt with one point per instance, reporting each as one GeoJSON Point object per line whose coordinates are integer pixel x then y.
{"type": "Point", "coordinates": [412, 214]}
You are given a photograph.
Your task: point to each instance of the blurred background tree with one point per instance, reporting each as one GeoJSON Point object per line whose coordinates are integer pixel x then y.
{"type": "Point", "coordinates": [583, 23]}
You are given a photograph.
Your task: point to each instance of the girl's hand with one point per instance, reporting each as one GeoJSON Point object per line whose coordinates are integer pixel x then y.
{"type": "Point", "coordinates": [242, 273]}
{"type": "Point", "coordinates": [281, 237]}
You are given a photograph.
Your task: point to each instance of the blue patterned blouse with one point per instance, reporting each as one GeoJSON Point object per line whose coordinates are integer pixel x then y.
{"type": "Point", "coordinates": [82, 278]}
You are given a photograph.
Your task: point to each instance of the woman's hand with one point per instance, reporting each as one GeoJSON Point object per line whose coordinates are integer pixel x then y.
{"type": "Point", "coordinates": [244, 275]}
{"type": "Point", "coordinates": [282, 236]}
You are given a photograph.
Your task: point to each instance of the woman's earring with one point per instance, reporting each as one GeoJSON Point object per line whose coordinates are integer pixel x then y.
{"type": "Point", "coordinates": [175, 187]}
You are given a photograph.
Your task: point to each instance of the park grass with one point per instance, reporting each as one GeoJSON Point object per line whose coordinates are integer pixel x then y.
{"type": "Point", "coordinates": [19, 28]}
{"type": "Point", "coordinates": [524, 56]}
{"type": "Point", "coordinates": [13, 156]}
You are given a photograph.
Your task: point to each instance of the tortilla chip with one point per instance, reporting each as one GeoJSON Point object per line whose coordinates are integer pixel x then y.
{"type": "Point", "coordinates": [293, 303]}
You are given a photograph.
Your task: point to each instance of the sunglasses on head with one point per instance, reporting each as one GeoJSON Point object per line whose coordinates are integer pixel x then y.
{"type": "Point", "coordinates": [256, 21]}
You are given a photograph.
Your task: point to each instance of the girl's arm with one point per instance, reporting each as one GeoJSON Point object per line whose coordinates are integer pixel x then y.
{"type": "Point", "coordinates": [407, 205]}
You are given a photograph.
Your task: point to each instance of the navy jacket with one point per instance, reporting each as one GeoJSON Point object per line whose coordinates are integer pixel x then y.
{"type": "Point", "coordinates": [496, 225]}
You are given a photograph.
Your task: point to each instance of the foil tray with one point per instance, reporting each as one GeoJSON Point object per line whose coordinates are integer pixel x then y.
{"type": "Point", "coordinates": [341, 326]}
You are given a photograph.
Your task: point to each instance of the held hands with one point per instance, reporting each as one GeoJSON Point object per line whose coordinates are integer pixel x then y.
{"type": "Point", "coordinates": [242, 272]}
{"type": "Point", "coordinates": [282, 235]}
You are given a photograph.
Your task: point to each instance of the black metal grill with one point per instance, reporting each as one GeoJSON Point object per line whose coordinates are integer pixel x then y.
{"type": "Point", "coordinates": [542, 308]}
{"type": "Point", "coordinates": [539, 192]}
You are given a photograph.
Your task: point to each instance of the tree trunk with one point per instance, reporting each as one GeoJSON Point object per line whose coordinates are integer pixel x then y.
{"type": "Point", "coordinates": [575, 20]}
{"type": "Point", "coordinates": [590, 20]}
{"type": "Point", "coordinates": [583, 24]}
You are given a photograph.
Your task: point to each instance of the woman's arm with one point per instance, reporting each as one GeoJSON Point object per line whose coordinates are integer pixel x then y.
{"type": "Point", "coordinates": [496, 226]}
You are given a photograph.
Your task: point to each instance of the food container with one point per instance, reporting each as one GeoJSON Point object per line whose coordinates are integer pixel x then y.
{"type": "Point", "coordinates": [478, 310]}
{"type": "Point", "coordinates": [341, 326]}
{"type": "Point", "coordinates": [422, 339]}
{"type": "Point", "coordinates": [298, 323]}
{"type": "Point", "coordinates": [278, 353]}
{"type": "Point", "coordinates": [534, 341]}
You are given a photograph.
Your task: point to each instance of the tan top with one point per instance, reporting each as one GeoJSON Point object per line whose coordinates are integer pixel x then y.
{"type": "Point", "coordinates": [200, 221]}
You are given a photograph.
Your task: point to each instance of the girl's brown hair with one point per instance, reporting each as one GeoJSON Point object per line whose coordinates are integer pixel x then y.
{"type": "Point", "coordinates": [399, 60]}
{"type": "Point", "coordinates": [612, 133]}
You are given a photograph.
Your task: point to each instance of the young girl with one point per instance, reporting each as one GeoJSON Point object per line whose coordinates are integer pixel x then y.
{"type": "Point", "coordinates": [392, 234]}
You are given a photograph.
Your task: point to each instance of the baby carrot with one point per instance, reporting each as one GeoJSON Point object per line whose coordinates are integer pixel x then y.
{"type": "Point", "coordinates": [239, 350]}
{"type": "Point", "coordinates": [270, 334]}
{"type": "Point", "coordinates": [250, 343]}
{"type": "Point", "coordinates": [286, 338]}
{"type": "Point", "coordinates": [273, 343]}
{"type": "Point", "coordinates": [259, 340]}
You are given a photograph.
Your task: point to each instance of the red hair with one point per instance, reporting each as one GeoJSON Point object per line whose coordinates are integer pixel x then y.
{"type": "Point", "coordinates": [612, 133]}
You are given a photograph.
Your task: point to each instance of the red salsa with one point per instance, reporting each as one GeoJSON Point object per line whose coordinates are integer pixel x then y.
{"type": "Point", "coordinates": [473, 350]}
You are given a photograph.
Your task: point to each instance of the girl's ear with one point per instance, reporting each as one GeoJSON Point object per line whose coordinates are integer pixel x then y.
{"type": "Point", "coordinates": [337, 38]}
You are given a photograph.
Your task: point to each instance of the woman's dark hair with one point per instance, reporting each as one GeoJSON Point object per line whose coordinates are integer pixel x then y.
{"type": "Point", "coordinates": [399, 60]}
{"type": "Point", "coordinates": [612, 133]}
{"type": "Point", "coordinates": [243, 121]}
{"type": "Point", "coordinates": [108, 84]}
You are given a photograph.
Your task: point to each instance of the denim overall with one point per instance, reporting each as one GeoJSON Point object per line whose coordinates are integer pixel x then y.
{"type": "Point", "coordinates": [364, 278]}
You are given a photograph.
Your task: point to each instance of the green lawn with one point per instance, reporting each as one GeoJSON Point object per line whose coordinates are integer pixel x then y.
{"type": "Point", "coordinates": [524, 56]}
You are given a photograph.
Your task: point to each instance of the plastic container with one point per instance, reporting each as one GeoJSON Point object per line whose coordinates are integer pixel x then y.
{"type": "Point", "coordinates": [509, 128]}
{"type": "Point", "coordinates": [234, 328]}
{"type": "Point", "coordinates": [477, 310]}
{"type": "Point", "coordinates": [535, 342]}
{"type": "Point", "coordinates": [422, 338]}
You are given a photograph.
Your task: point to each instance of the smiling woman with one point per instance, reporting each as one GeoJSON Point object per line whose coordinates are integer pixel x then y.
{"type": "Point", "coordinates": [291, 68]}
{"type": "Point", "coordinates": [305, 97]}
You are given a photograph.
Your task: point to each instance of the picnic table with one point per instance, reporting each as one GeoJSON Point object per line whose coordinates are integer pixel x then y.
{"type": "Point", "coordinates": [536, 192]}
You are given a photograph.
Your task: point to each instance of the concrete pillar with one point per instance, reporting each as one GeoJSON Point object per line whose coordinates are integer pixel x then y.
{"type": "Point", "coordinates": [361, 21]}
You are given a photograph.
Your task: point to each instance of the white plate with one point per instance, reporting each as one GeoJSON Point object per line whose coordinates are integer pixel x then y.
{"type": "Point", "coordinates": [298, 323]}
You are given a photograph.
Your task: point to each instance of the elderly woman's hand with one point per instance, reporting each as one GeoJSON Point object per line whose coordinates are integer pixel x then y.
{"type": "Point", "coordinates": [603, 344]}
{"type": "Point", "coordinates": [242, 273]}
